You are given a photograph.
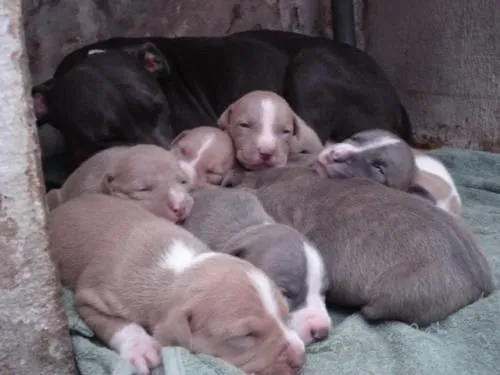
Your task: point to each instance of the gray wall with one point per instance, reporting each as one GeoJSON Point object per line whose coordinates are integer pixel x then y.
{"type": "Point", "coordinates": [444, 57]}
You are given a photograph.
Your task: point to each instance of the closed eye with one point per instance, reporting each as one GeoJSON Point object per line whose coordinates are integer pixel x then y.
{"type": "Point", "coordinates": [244, 125]}
{"type": "Point", "coordinates": [146, 188]}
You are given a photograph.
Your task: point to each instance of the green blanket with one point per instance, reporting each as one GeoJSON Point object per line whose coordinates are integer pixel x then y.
{"type": "Point", "coordinates": [467, 342]}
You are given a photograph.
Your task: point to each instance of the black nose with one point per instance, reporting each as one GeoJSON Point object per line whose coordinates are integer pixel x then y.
{"type": "Point", "coordinates": [319, 333]}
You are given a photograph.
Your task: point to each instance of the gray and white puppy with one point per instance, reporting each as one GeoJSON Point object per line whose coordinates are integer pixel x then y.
{"type": "Point", "coordinates": [385, 252]}
{"type": "Point", "coordinates": [233, 221]}
{"type": "Point", "coordinates": [376, 154]}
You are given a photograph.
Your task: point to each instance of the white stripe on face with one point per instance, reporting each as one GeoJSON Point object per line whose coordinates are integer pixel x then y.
{"type": "Point", "coordinates": [346, 148]}
{"type": "Point", "coordinates": [266, 142]}
{"type": "Point", "coordinates": [264, 289]}
{"type": "Point", "coordinates": [190, 166]}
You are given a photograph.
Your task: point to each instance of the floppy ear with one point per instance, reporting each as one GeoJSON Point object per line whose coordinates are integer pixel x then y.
{"type": "Point", "coordinates": [179, 136]}
{"type": "Point", "coordinates": [421, 192]}
{"type": "Point", "coordinates": [151, 58]}
{"type": "Point", "coordinates": [225, 118]}
{"type": "Point", "coordinates": [106, 186]}
{"type": "Point", "coordinates": [39, 94]}
{"type": "Point", "coordinates": [175, 329]}
{"type": "Point", "coordinates": [298, 125]}
{"type": "Point", "coordinates": [304, 138]}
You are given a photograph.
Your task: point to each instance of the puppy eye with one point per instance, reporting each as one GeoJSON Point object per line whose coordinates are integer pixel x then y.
{"type": "Point", "coordinates": [146, 188]}
{"type": "Point", "coordinates": [379, 167]}
{"type": "Point", "coordinates": [244, 125]}
{"type": "Point", "coordinates": [184, 181]}
{"type": "Point", "coordinates": [286, 131]}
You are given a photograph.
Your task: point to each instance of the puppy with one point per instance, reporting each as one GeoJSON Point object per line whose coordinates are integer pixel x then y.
{"type": "Point", "coordinates": [146, 174]}
{"type": "Point", "coordinates": [233, 221]}
{"type": "Point", "coordinates": [205, 153]}
{"type": "Point", "coordinates": [433, 176]}
{"type": "Point", "coordinates": [265, 130]}
{"type": "Point", "coordinates": [376, 154]}
{"type": "Point", "coordinates": [386, 158]}
{"type": "Point", "coordinates": [385, 252]}
{"type": "Point", "coordinates": [142, 282]}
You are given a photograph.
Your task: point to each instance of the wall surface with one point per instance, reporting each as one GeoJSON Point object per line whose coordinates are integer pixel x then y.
{"type": "Point", "coordinates": [35, 337]}
{"type": "Point", "coordinates": [444, 57]}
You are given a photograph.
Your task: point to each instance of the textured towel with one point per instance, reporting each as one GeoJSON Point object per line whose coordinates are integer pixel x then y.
{"type": "Point", "coordinates": [466, 343]}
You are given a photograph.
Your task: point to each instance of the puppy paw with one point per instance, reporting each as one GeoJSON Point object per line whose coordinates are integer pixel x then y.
{"type": "Point", "coordinates": [136, 346]}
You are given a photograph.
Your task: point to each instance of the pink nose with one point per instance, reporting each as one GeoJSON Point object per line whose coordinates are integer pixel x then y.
{"type": "Point", "coordinates": [319, 333]}
{"type": "Point", "coordinates": [178, 208]}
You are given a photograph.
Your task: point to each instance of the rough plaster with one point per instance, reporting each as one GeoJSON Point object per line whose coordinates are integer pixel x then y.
{"type": "Point", "coordinates": [444, 57]}
{"type": "Point", "coordinates": [35, 339]}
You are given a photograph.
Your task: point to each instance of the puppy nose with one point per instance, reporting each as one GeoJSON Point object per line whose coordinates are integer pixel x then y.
{"type": "Point", "coordinates": [178, 208]}
{"type": "Point", "coordinates": [265, 155]}
{"type": "Point", "coordinates": [319, 333]}
{"type": "Point", "coordinates": [296, 359]}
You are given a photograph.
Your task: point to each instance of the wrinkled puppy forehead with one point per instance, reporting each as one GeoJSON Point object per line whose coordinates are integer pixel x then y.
{"type": "Point", "coordinates": [262, 106]}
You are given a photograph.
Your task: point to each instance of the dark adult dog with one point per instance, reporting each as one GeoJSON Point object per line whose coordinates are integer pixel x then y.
{"type": "Point", "coordinates": [335, 88]}
{"type": "Point", "coordinates": [385, 252]}
{"type": "Point", "coordinates": [109, 99]}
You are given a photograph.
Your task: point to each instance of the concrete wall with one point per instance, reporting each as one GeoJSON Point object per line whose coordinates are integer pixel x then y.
{"type": "Point", "coordinates": [444, 57]}
{"type": "Point", "coordinates": [35, 337]}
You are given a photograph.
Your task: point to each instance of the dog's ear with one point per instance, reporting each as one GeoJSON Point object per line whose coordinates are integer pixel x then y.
{"type": "Point", "coordinates": [421, 192]}
{"type": "Point", "coordinates": [151, 58]}
{"type": "Point", "coordinates": [175, 329]}
{"type": "Point", "coordinates": [179, 136]}
{"type": "Point", "coordinates": [53, 198]}
{"type": "Point", "coordinates": [107, 182]}
{"type": "Point", "coordinates": [39, 94]}
{"type": "Point", "coordinates": [304, 138]}
{"type": "Point", "coordinates": [225, 118]}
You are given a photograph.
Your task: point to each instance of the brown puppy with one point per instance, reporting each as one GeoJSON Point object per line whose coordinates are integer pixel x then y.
{"type": "Point", "coordinates": [265, 129]}
{"type": "Point", "coordinates": [142, 282]}
{"type": "Point", "coordinates": [206, 154]}
{"type": "Point", "coordinates": [385, 251]}
{"type": "Point", "coordinates": [147, 174]}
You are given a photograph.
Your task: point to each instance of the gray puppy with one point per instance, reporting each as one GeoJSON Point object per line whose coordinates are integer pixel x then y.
{"type": "Point", "coordinates": [385, 252]}
{"type": "Point", "coordinates": [233, 221]}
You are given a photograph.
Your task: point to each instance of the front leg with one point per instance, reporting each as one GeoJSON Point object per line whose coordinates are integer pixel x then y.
{"type": "Point", "coordinates": [129, 339]}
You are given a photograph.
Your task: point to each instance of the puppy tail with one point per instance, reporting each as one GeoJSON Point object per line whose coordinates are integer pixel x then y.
{"type": "Point", "coordinates": [421, 295]}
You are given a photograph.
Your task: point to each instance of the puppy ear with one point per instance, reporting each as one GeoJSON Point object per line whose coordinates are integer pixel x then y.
{"type": "Point", "coordinates": [298, 125]}
{"type": "Point", "coordinates": [175, 329]}
{"type": "Point", "coordinates": [225, 118]}
{"type": "Point", "coordinates": [106, 186]}
{"type": "Point", "coordinates": [421, 192]}
{"type": "Point", "coordinates": [179, 136]}
{"type": "Point", "coordinates": [304, 138]}
{"type": "Point", "coordinates": [151, 58]}
{"type": "Point", "coordinates": [53, 198]}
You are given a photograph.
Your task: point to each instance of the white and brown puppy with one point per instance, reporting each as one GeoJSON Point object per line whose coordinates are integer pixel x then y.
{"type": "Point", "coordinates": [206, 153]}
{"type": "Point", "coordinates": [433, 176]}
{"type": "Point", "coordinates": [142, 282]}
{"type": "Point", "coordinates": [385, 252]}
{"type": "Point", "coordinates": [146, 174]}
{"type": "Point", "coordinates": [233, 221]}
{"type": "Point", "coordinates": [265, 129]}
{"type": "Point", "coordinates": [386, 158]}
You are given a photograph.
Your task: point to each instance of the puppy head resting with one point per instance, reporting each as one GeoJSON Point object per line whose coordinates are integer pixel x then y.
{"type": "Point", "coordinates": [151, 176]}
{"type": "Point", "coordinates": [296, 268]}
{"type": "Point", "coordinates": [262, 126]}
{"type": "Point", "coordinates": [206, 153]}
{"type": "Point", "coordinates": [242, 323]}
{"type": "Point", "coordinates": [376, 154]}
{"type": "Point", "coordinates": [233, 221]}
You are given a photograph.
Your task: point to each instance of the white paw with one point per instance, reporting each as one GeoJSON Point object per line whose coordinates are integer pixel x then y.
{"type": "Point", "coordinates": [136, 346]}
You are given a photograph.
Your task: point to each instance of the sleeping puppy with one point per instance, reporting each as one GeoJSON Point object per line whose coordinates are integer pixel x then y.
{"type": "Point", "coordinates": [386, 158]}
{"type": "Point", "coordinates": [206, 154]}
{"type": "Point", "coordinates": [146, 174]}
{"type": "Point", "coordinates": [233, 221]}
{"type": "Point", "coordinates": [265, 130]}
{"type": "Point", "coordinates": [385, 252]}
{"type": "Point", "coordinates": [142, 282]}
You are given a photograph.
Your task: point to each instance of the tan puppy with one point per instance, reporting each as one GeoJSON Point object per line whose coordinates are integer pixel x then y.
{"type": "Point", "coordinates": [433, 176]}
{"type": "Point", "coordinates": [147, 174]}
{"type": "Point", "coordinates": [264, 128]}
{"type": "Point", "coordinates": [142, 282]}
{"type": "Point", "coordinates": [206, 154]}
